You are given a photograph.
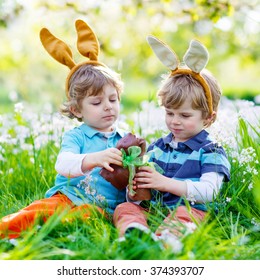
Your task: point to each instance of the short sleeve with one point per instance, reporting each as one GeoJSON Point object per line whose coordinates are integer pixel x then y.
{"type": "Point", "coordinates": [72, 141]}
{"type": "Point", "coordinates": [214, 159]}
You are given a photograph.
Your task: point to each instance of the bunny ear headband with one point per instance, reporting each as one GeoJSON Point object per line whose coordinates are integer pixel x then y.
{"type": "Point", "coordinates": [87, 45]}
{"type": "Point", "coordinates": [196, 58]}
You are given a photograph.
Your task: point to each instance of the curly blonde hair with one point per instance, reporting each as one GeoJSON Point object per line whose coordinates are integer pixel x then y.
{"type": "Point", "coordinates": [89, 80]}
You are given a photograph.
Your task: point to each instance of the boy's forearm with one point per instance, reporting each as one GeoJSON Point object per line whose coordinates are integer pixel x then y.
{"type": "Point", "coordinates": [69, 164]}
{"type": "Point", "coordinates": [175, 187]}
{"type": "Point", "coordinates": [89, 162]}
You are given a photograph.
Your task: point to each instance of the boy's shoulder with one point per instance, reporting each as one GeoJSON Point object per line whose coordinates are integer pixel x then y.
{"type": "Point", "coordinates": [75, 131]}
{"type": "Point", "coordinates": [213, 147]}
{"type": "Point", "coordinates": [203, 140]}
{"type": "Point", "coordinates": [160, 143]}
{"type": "Point", "coordinates": [209, 145]}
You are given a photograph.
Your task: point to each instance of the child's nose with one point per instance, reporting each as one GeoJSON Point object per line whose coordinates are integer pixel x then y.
{"type": "Point", "coordinates": [176, 120]}
{"type": "Point", "coordinates": [108, 106]}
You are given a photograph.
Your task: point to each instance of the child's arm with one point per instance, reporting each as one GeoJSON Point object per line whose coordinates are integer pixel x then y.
{"type": "Point", "coordinates": [202, 191]}
{"type": "Point", "coordinates": [206, 188]}
{"type": "Point", "coordinates": [68, 164]}
{"type": "Point", "coordinates": [73, 165]}
{"type": "Point", "coordinates": [148, 177]}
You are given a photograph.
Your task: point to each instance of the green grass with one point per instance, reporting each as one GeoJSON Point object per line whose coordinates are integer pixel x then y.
{"type": "Point", "coordinates": [231, 231]}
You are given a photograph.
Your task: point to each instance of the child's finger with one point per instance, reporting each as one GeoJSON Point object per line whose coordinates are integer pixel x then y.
{"type": "Point", "coordinates": [142, 180]}
{"type": "Point", "coordinates": [145, 168]}
{"type": "Point", "coordinates": [108, 167]}
{"type": "Point", "coordinates": [144, 186]}
{"type": "Point", "coordinates": [141, 174]}
{"type": "Point", "coordinates": [116, 151]}
{"type": "Point", "coordinates": [116, 162]}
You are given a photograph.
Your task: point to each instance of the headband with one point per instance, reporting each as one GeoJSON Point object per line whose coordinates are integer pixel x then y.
{"type": "Point", "coordinates": [196, 58]}
{"type": "Point", "coordinates": [87, 45]}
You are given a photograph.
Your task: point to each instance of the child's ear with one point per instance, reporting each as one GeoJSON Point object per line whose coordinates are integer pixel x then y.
{"type": "Point", "coordinates": [210, 119]}
{"type": "Point", "coordinates": [75, 111]}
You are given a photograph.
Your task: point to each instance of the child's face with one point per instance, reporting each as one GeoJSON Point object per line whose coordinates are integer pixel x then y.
{"type": "Point", "coordinates": [101, 111]}
{"type": "Point", "coordinates": [184, 122]}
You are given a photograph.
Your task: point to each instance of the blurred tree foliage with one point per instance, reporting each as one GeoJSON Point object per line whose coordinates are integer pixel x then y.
{"type": "Point", "coordinates": [229, 29]}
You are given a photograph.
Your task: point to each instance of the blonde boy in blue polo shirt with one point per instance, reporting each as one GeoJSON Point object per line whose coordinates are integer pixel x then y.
{"type": "Point", "coordinates": [194, 166]}
{"type": "Point", "coordinates": [93, 95]}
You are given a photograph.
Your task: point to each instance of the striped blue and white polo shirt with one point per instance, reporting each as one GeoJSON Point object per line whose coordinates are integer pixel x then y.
{"type": "Point", "coordinates": [189, 160]}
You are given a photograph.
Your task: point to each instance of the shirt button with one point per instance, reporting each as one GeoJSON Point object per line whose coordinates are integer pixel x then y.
{"type": "Point", "coordinates": [175, 156]}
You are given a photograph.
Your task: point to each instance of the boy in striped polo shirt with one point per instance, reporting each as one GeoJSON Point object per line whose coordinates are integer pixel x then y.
{"type": "Point", "coordinates": [194, 167]}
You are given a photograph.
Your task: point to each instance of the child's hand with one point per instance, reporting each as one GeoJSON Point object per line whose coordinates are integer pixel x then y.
{"type": "Point", "coordinates": [109, 156]}
{"type": "Point", "coordinates": [103, 159]}
{"type": "Point", "coordinates": [149, 178]}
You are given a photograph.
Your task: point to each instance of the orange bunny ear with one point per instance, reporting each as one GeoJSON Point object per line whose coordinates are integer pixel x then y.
{"type": "Point", "coordinates": [87, 42]}
{"type": "Point", "coordinates": [87, 45]}
{"type": "Point", "coordinates": [56, 48]}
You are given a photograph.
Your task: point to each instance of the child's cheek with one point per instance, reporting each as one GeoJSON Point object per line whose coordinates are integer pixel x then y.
{"type": "Point", "coordinates": [191, 126]}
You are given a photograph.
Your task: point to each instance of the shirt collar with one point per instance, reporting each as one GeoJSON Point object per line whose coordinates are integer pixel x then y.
{"type": "Point", "coordinates": [193, 143]}
{"type": "Point", "coordinates": [90, 132]}
{"type": "Point", "coordinates": [167, 139]}
{"type": "Point", "coordinates": [197, 140]}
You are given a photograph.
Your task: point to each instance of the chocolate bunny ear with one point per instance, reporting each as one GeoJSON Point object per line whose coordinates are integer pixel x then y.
{"type": "Point", "coordinates": [57, 48]}
{"type": "Point", "coordinates": [87, 45]}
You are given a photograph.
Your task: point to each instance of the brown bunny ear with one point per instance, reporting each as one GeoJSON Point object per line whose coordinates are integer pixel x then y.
{"type": "Point", "coordinates": [87, 42]}
{"type": "Point", "coordinates": [87, 45]}
{"type": "Point", "coordinates": [57, 48]}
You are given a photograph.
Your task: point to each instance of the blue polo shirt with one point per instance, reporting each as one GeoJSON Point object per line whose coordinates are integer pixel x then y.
{"type": "Point", "coordinates": [189, 160]}
{"type": "Point", "coordinates": [91, 188]}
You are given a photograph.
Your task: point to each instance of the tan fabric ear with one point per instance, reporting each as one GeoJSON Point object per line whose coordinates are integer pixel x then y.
{"type": "Point", "coordinates": [87, 42]}
{"type": "Point", "coordinates": [87, 45]}
{"type": "Point", "coordinates": [57, 48]}
{"type": "Point", "coordinates": [164, 53]}
{"type": "Point", "coordinates": [196, 57]}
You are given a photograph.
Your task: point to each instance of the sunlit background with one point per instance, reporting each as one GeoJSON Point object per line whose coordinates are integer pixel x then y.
{"type": "Point", "coordinates": [28, 74]}
{"type": "Point", "coordinates": [32, 89]}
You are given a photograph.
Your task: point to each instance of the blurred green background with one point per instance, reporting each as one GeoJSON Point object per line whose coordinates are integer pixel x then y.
{"type": "Point", "coordinates": [229, 29]}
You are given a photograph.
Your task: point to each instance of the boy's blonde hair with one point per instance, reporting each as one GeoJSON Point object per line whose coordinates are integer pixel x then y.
{"type": "Point", "coordinates": [89, 80]}
{"type": "Point", "coordinates": [175, 90]}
